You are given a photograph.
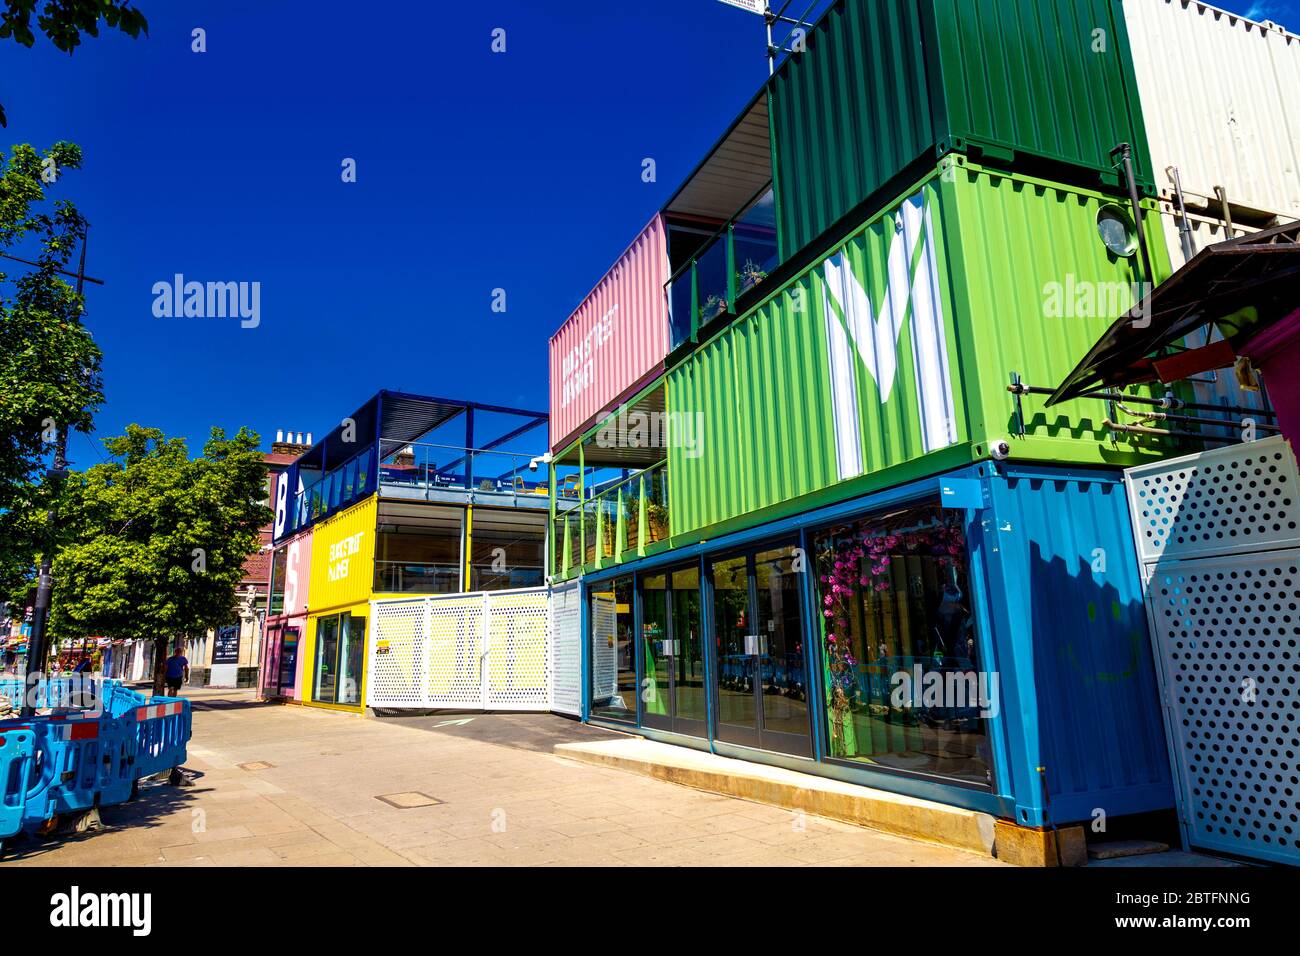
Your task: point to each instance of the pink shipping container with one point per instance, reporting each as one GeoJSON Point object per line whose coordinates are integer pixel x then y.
{"type": "Point", "coordinates": [615, 341]}
{"type": "Point", "coordinates": [283, 632]}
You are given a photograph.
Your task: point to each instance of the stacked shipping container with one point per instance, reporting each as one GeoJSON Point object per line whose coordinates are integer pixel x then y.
{"type": "Point", "coordinates": [890, 358]}
{"type": "Point", "coordinates": [952, 218]}
{"type": "Point", "coordinates": [886, 85]}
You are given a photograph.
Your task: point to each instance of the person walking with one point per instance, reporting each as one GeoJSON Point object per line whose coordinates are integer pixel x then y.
{"type": "Point", "coordinates": [178, 672]}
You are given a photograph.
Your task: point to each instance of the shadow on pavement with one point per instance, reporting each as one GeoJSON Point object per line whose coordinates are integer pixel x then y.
{"type": "Point", "coordinates": [536, 732]}
{"type": "Point", "coordinates": [157, 800]}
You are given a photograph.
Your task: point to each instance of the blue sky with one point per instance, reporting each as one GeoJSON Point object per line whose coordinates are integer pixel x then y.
{"type": "Point", "coordinates": [475, 171]}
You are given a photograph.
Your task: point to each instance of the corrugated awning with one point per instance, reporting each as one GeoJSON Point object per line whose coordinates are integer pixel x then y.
{"type": "Point", "coordinates": [733, 173]}
{"type": "Point", "coordinates": [1241, 286]}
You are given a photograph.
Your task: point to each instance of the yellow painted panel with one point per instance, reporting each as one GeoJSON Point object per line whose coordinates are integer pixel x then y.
{"type": "Point", "coordinates": [343, 557]}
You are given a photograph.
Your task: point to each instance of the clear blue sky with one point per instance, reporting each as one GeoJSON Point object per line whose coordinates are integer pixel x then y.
{"type": "Point", "coordinates": [475, 171]}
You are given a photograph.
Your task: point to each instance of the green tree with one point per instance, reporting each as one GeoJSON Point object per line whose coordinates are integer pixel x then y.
{"type": "Point", "coordinates": [49, 364]}
{"type": "Point", "coordinates": [154, 542]}
{"type": "Point", "coordinates": [64, 21]}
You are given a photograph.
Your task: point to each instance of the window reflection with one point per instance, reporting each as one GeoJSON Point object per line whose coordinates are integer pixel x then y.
{"type": "Point", "coordinates": [906, 688]}
{"type": "Point", "coordinates": [613, 652]}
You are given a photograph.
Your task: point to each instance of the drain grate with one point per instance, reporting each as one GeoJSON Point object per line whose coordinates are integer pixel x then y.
{"type": "Point", "coordinates": [256, 765]}
{"type": "Point", "coordinates": [409, 800]}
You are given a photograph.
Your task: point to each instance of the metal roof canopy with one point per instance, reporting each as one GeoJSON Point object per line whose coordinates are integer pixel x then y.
{"type": "Point", "coordinates": [734, 171]}
{"type": "Point", "coordinates": [396, 419]}
{"type": "Point", "coordinates": [620, 455]}
{"type": "Point", "coordinates": [1259, 271]}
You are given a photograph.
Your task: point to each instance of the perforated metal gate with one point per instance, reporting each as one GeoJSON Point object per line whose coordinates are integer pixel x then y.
{"type": "Point", "coordinates": [566, 649]}
{"type": "Point", "coordinates": [487, 651]}
{"type": "Point", "coordinates": [1218, 536]}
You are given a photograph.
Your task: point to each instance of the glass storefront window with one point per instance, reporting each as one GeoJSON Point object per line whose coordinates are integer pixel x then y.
{"type": "Point", "coordinates": [352, 642]}
{"type": "Point", "coordinates": [327, 659]}
{"type": "Point", "coordinates": [340, 658]}
{"type": "Point", "coordinates": [613, 652]}
{"type": "Point", "coordinates": [654, 633]}
{"type": "Point", "coordinates": [906, 689]}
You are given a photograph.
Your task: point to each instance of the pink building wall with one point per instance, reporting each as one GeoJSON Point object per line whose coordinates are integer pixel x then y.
{"type": "Point", "coordinates": [615, 338]}
{"type": "Point", "coordinates": [296, 587]}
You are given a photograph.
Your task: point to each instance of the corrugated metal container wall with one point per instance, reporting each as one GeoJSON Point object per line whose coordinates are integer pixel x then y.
{"type": "Point", "coordinates": [613, 340]}
{"type": "Point", "coordinates": [1215, 104]}
{"type": "Point", "coordinates": [1070, 623]}
{"type": "Point", "coordinates": [888, 83]}
{"type": "Point", "coordinates": [343, 556]}
{"type": "Point", "coordinates": [1284, 48]}
{"type": "Point", "coordinates": [898, 348]}
{"type": "Point", "coordinates": [1036, 289]}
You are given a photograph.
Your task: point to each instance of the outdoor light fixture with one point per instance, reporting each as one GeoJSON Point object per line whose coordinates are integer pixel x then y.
{"type": "Point", "coordinates": [1117, 230]}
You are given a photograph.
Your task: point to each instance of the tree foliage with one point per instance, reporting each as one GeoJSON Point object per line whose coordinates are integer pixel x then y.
{"type": "Point", "coordinates": [64, 21]}
{"type": "Point", "coordinates": [49, 364]}
{"type": "Point", "coordinates": [153, 542]}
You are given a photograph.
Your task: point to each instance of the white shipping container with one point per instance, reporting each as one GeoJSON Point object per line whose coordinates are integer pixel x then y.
{"type": "Point", "coordinates": [1221, 98]}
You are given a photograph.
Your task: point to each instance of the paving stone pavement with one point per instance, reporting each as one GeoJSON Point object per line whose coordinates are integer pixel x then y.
{"type": "Point", "coordinates": [284, 785]}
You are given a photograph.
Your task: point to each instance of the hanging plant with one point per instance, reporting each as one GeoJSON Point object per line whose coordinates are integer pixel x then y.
{"type": "Point", "coordinates": [858, 564]}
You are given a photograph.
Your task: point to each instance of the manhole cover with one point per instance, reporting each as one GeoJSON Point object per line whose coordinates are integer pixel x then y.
{"type": "Point", "coordinates": [256, 765]}
{"type": "Point", "coordinates": [409, 800]}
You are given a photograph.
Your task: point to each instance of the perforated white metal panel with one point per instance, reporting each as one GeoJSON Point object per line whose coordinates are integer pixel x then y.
{"type": "Point", "coordinates": [566, 649]}
{"type": "Point", "coordinates": [487, 650]}
{"type": "Point", "coordinates": [1226, 631]}
{"type": "Point", "coordinates": [397, 660]}
{"type": "Point", "coordinates": [1217, 535]}
{"type": "Point", "coordinates": [1231, 500]}
{"type": "Point", "coordinates": [454, 650]}
{"type": "Point", "coordinates": [604, 654]}
{"type": "Point", "coordinates": [518, 664]}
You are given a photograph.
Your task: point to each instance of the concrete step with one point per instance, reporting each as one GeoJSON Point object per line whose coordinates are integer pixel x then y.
{"type": "Point", "coordinates": [1119, 849]}
{"type": "Point", "coordinates": [848, 803]}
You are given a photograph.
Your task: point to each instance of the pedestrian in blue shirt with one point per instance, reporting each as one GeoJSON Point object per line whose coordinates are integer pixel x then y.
{"type": "Point", "coordinates": [178, 672]}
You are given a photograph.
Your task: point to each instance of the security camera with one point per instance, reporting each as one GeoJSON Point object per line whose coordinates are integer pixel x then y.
{"type": "Point", "coordinates": [1000, 450]}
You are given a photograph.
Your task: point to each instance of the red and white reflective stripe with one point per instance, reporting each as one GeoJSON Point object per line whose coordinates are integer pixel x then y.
{"type": "Point", "coordinates": [157, 710]}
{"type": "Point", "coordinates": [75, 730]}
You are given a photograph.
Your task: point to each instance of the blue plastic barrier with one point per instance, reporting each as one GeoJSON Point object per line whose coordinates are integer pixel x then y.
{"type": "Point", "coordinates": [71, 761]}
{"type": "Point", "coordinates": [163, 730]}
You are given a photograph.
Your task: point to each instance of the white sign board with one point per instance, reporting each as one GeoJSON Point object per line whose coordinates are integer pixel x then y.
{"type": "Point", "coordinates": [753, 6]}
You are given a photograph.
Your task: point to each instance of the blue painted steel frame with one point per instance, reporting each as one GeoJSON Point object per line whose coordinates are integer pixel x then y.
{"type": "Point", "coordinates": [923, 788]}
{"type": "Point", "coordinates": [998, 601]}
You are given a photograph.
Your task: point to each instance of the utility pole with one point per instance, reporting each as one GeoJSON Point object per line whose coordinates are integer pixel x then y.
{"type": "Point", "coordinates": [37, 643]}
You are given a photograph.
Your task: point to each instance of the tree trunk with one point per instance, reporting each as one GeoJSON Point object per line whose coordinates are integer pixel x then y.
{"type": "Point", "coordinates": [160, 651]}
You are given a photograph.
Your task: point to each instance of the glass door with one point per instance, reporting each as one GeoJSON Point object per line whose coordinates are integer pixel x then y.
{"type": "Point", "coordinates": [761, 681]}
{"type": "Point", "coordinates": [672, 688]}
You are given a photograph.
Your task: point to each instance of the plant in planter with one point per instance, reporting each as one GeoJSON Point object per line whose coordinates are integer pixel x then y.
{"type": "Point", "coordinates": [750, 275]}
{"type": "Point", "coordinates": [713, 306]}
{"type": "Point", "coordinates": [656, 519]}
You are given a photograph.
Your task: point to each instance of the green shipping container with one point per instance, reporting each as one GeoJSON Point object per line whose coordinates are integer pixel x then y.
{"type": "Point", "coordinates": [890, 358]}
{"type": "Point", "coordinates": [887, 84]}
